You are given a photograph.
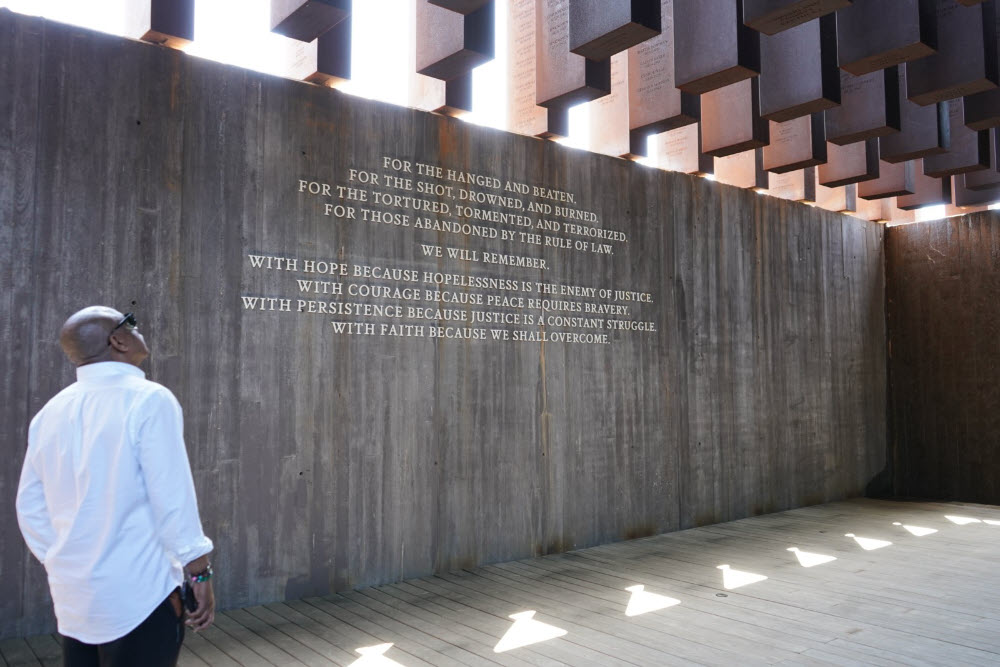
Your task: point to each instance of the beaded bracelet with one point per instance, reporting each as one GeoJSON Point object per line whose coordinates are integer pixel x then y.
{"type": "Point", "coordinates": [202, 576]}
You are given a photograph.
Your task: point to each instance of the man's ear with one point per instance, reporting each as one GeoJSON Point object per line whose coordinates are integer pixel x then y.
{"type": "Point", "coordinates": [118, 342]}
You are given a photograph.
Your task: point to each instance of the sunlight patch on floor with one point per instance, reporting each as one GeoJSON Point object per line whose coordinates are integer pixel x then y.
{"type": "Point", "coordinates": [868, 543]}
{"type": "Point", "coordinates": [809, 559]}
{"type": "Point", "coordinates": [374, 656]}
{"type": "Point", "coordinates": [961, 520]}
{"type": "Point", "coordinates": [526, 631]}
{"type": "Point", "coordinates": [735, 578]}
{"type": "Point", "coordinates": [916, 530]}
{"type": "Point", "coordinates": [643, 602]}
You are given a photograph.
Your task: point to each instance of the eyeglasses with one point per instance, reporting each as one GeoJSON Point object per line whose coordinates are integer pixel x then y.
{"type": "Point", "coordinates": [128, 322]}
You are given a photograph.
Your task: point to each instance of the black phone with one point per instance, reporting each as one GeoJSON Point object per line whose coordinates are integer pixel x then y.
{"type": "Point", "coordinates": [187, 594]}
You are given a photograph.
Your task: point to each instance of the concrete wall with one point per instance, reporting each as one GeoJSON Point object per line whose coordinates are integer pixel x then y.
{"type": "Point", "coordinates": [132, 174]}
{"type": "Point", "coordinates": [943, 303]}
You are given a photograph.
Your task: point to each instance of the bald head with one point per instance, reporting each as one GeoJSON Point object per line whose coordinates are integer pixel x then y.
{"type": "Point", "coordinates": [89, 336]}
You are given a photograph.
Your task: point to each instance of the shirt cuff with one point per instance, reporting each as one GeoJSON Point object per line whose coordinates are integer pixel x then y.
{"type": "Point", "coordinates": [191, 551]}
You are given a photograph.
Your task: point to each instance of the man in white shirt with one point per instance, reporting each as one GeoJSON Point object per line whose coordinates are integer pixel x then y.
{"type": "Point", "coordinates": [106, 502]}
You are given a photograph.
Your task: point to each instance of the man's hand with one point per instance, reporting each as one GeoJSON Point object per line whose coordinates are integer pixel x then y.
{"type": "Point", "coordinates": [204, 615]}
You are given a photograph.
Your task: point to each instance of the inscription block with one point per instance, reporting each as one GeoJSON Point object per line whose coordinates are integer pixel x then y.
{"type": "Point", "coordinates": [450, 44]}
{"type": "Point", "coordinates": [869, 107]}
{"type": "Point", "coordinates": [966, 58]}
{"type": "Point", "coordinates": [893, 180]}
{"type": "Point", "coordinates": [924, 130]}
{"type": "Point", "coordinates": [563, 78]}
{"type": "Point", "coordinates": [874, 34]}
{"type": "Point", "coordinates": [950, 210]}
{"type": "Point", "coordinates": [799, 70]}
{"type": "Point", "coordinates": [986, 178]}
{"type": "Point", "coordinates": [557, 124]}
{"type": "Point", "coordinates": [730, 119]}
{"type": "Point", "coordinates": [891, 212]}
{"type": "Point", "coordinates": [609, 122]}
{"type": "Point", "coordinates": [598, 29]}
{"type": "Point", "coordinates": [927, 191]}
{"type": "Point", "coordinates": [425, 93]}
{"type": "Point", "coordinates": [680, 150]}
{"type": "Point", "coordinates": [655, 103]}
{"type": "Point", "coordinates": [849, 164]}
{"type": "Point", "coordinates": [773, 16]}
{"type": "Point", "coordinates": [968, 150]}
{"type": "Point", "coordinates": [838, 199]}
{"type": "Point", "coordinates": [460, 6]}
{"type": "Point", "coordinates": [457, 96]}
{"type": "Point", "coordinates": [866, 209]}
{"type": "Point", "coordinates": [523, 115]}
{"type": "Point", "coordinates": [638, 144]}
{"type": "Point", "coordinates": [333, 56]}
{"type": "Point", "coordinates": [982, 110]}
{"type": "Point", "coordinates": [793, 185]}
{"type": "Point", "coordinates": [796, 144]}
{"type": "Point", "coordinates": [742, 170]}
{"type": "Point", "coordinates": [422, 92]}
{"type": "Point", "coordinates": [714, 48]}
{"type": "Point", "coordinates": [962, 196]}
{"type": "Point", "coordinates": [295, 59]}
{"type": "Point", "coordinates": [165, 22]}
{"type": "Point", "coordinates": [305, 20]}
{"type": "Point", "coordinates": [325, 61]}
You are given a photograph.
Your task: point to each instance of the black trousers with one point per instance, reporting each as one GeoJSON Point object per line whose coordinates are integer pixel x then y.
{"type": "Point", "coordinates": [156, 642]}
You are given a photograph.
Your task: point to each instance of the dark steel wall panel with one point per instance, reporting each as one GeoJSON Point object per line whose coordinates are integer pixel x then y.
{"type": "Point", "coordinates": [132, 173]}
{"type": "Point", "coordinates": [943, 279]}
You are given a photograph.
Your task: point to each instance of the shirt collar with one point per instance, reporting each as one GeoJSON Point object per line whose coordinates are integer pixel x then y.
{"type": "Point", "coordinates": [103, 369]}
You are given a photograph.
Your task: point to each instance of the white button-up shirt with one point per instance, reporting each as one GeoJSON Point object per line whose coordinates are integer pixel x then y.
{"type": "Point", "coordinates": [106, 500]}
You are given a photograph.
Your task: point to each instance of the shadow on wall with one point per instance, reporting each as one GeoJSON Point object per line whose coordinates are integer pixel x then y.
{"type": "Point", "coordinates": [880, 485]}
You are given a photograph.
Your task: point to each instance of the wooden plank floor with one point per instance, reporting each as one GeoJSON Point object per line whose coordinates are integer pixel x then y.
{"type": "Point", "coordinates": [894, 594]}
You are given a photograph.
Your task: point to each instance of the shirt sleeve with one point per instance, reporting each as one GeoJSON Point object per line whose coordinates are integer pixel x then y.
{"type": "Point", "coordinates": [164, 466]}
{"type": "Point", "coordinates": [32, 510]}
